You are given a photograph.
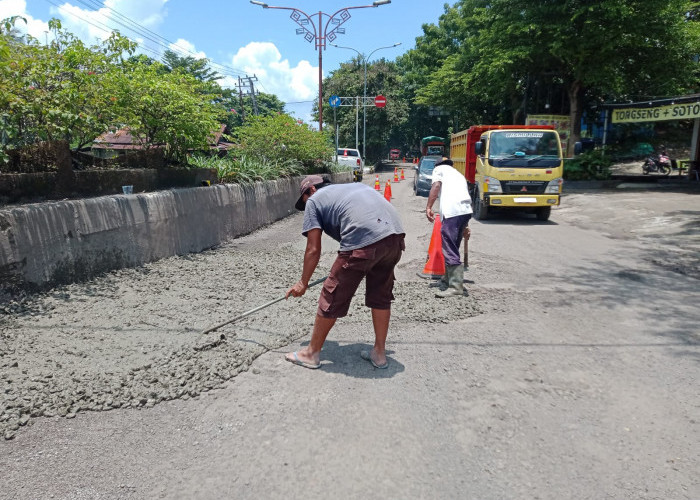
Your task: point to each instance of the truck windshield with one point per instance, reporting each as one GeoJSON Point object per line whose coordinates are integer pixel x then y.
{"type": "Point", "coordinates": [527, 149]}
{"type": "Point", "coordinates": [435, 150]}
{"type": "Point", "coordinates": [348, 152]}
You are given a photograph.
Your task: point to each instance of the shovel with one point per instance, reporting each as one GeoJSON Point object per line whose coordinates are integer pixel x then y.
{"type": "Point", "coordinates": [256, 309]}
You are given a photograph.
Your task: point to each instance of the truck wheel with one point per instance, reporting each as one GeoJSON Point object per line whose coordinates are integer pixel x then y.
{"type": "Point", "coordinates": [543, 213]}
{"type": "Point", "coordinates": [481, 210]}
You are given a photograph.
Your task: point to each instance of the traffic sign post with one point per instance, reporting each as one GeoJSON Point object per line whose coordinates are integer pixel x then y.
{"type": "Point", "coordinates": [335, 102]}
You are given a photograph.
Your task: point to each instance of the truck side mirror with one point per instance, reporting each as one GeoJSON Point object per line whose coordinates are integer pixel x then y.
{"type": "Point", "coordinates": [578, 148]}
{"type": "Point", "coordinates": [479, 148]}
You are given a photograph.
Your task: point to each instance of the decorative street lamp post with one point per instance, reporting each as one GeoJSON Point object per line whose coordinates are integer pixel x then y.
{"type": "Point", "coordinates": [319, 35]}
{"type": "Point", "coordinates": [364, 95]}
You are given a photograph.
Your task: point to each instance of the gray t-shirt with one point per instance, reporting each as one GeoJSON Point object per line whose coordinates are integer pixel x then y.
{"type": "Point", "coordinates": [353, 214]}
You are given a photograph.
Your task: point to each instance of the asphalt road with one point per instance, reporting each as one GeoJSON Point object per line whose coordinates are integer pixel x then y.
{"type": "Point", "coordinates": [570, 371]}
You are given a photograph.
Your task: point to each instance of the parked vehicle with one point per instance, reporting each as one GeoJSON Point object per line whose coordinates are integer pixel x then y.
{"type": "Point", "coordinates": [432, 145]}
{"type": "Point", "coordinates": [423, 179]}
{"type": "Point", "coordinates": [510, 166]}
{"type": "Point", "coordinates": [394, 154]}
{"type": "Point", "coordinates": [352, 159]}
{"type": "Point", "coordinates": [657, 163]}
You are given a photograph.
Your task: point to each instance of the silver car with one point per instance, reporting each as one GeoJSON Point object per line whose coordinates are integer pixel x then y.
{"type": "Point", "coordinates": [423, 179]}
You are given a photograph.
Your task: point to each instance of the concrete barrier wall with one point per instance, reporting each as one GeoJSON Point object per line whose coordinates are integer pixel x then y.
{"type": "Point", "coordinates": [46, 244]}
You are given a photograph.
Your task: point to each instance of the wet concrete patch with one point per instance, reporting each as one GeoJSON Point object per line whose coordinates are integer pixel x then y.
{"type": "Point", "coordinates": [133, 338]}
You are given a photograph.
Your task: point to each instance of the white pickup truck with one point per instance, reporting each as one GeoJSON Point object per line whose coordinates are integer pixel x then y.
{"type": "Point", "coordinates": [352, 159]}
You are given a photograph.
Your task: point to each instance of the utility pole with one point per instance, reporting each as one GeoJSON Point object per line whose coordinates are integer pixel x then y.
{"type": "Point", "coordinates": [252, 93]}
{"type": "Point", "coordinates": [240, 98]}
{"type": "Point", "coordinates": [247, 82]}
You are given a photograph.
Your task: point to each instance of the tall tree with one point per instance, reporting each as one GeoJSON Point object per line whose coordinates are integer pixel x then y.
{"type": "Point", "coordinates": [348, 81]}
{"type": "Point", "coordinates": [418, 68]}
{"type": "Point", "coordinates": [57, 91]}
{"type": "Point", "coordinates": [168, 109]}
{"type": "Point", "coordinates": [605, 48]}
{"type": "Point", "coordinates": [231, 102]}
{"type": "Point", "coordinates": [198, 68]}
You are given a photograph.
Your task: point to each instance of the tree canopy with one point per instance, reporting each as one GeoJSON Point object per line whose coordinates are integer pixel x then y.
{"type": "Point", "coordinates": [496, 55]}
{"type": "Point", "coordinates": [348, 81]}
{"type": "Point", "coordinates": [484, 61]}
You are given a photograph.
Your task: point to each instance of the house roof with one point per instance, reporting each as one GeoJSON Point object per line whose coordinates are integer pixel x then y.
{"type": "Point", "coordinates": [215, 138]}
{"type": "Point", "coordinates": [123, 140]}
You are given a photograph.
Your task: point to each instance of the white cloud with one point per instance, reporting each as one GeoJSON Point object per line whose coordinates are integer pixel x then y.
{"type": "Point", "coordinates": [9, 8]}
{"type": "Point", "coordinates": [96, 25]}
{"type": "Point", "coordinates": [34, 27]}
{"type": "Point", "coordinates": [148, 13]}
{"type": "Point", "coordinates": [262, 59]}
{"type": "Point", "coordinates": [186, 48]}
{"type": "Point", "coordinates": [275, 75]}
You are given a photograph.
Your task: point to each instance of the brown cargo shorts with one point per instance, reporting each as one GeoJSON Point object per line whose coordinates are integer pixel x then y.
{"type": "Point", "coordinates": [375, 263]}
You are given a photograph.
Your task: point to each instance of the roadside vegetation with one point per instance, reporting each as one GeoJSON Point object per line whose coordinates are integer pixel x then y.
{"type": "Point", "coordinates": [67, 91]}
{"type": "Point", "coordinates": [497, 61]}
{"type": "Point", "coordinates": [492, 62]}
{"type": "Point", "coordinates": [591, 165]}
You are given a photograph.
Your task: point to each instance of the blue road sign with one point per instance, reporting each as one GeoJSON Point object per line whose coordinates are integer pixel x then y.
{"type": "Point", "coordinates": [334, 101]}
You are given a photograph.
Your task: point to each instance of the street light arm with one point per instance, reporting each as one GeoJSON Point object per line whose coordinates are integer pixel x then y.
{"type": "Point", "coordinates": [360, 54]}
{"type": "Point", "coordinates": [380, 48]}
{"type": "Point", "coordinates": [320, 35]}
{"type": "Point", "coordinates": [330, 34]}
{"type": "Point", "coordinates": [298, 16]}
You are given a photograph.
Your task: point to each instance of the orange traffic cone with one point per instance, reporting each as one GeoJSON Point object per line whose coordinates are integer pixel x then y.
{"type": "Point", "coordinates": [377, 187]}
{"type": "Point", "coordinates": [402, 177]}
{"type": "Point", "coordinates": [387, 191]}
{"type": "Point", "coordinates": [435, 267]}
{"type": "Point", "coordinates": [396, 175]}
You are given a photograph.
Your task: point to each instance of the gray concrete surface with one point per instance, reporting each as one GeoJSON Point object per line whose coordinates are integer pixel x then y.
{"type": "Point", "coordinates": [570, 371]}
{"type": "Point", "coordinates": [67, 241]}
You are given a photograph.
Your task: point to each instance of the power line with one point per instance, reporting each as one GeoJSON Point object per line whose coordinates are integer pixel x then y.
{"type": "Point", "coordinates": [103, 27]}
{"type": "Point", "coordinates": [140, 29]}
{"type": "Point", "coordinates": [144, 33]}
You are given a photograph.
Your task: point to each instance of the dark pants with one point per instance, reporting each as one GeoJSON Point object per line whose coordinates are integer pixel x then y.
{"type": "Point", "coordinates": [375, 263]}
{"type": "Point", "coordinates": [452, 233]}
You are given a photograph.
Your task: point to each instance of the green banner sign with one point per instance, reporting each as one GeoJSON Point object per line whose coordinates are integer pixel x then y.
{"type": "Point", "coordinates": [685, 111]}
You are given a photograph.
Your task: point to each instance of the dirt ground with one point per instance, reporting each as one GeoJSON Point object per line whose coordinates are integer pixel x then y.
{"type": "Point", "coordinates": [570, 371]}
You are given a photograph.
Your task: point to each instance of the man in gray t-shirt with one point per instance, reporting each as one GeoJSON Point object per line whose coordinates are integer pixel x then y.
{"type": "Point", "coordinates": [371, 242]}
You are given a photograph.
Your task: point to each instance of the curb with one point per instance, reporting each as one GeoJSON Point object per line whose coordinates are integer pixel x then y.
{"type": "Point", "coordinates": [631, 183]}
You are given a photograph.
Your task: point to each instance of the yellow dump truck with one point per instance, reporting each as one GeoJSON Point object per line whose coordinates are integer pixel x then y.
{"type": "Point", "coordinates": [509, 167]}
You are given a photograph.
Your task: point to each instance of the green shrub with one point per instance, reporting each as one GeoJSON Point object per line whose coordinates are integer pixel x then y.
{"type": "Point", "coordinates": [278, 138]}
{"type": "Point", "coordinates": [246, 170]}
{"type": "Point", "coordinates": [592, 165]}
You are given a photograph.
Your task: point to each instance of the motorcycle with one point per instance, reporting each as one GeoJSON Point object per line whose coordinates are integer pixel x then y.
{"type": "Point", "coordinates": [660, 163]}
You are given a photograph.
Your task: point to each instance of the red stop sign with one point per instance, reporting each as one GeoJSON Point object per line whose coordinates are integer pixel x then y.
{"type": "Point", "coordinates": [380, 101]}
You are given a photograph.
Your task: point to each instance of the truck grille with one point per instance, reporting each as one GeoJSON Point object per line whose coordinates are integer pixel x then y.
{"type": "Point", "coordinates": [523, 187]}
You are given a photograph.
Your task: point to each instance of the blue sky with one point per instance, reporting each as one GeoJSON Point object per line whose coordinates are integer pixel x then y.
{"type": "Point", "coordinates": [238, 37]}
